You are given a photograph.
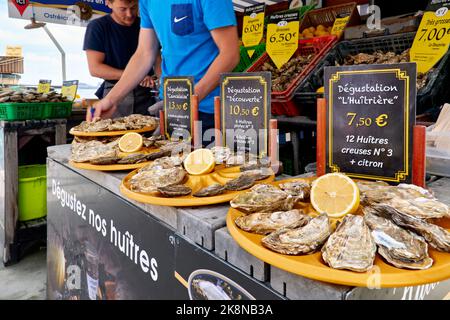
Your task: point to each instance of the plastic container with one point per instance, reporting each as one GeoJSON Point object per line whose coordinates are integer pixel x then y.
{"type": "Point", "coordinates": [21, 111]}
{"type": "Point", "coordinates": [53, 110]}
{"type": "Point", "coordinates": [433, 94]}
{"type": "Point", "coordinates": [32, 192]}
{"type": "Point", "coordinates": [282, 101]}
{"type": "Point", "coordinates": [245, 60]}
{"type": "Point", "coordinates": [327, 16]}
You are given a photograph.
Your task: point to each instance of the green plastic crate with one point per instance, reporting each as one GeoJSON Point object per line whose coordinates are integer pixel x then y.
{"type": "Point", "coordinates": [32, 192]}
{"type": "Point", "coordinates": [246, 61]}
{"type": "Point", "coordinates": [54, 110]}
{"type": "Point", "coordinates": [21, 111]}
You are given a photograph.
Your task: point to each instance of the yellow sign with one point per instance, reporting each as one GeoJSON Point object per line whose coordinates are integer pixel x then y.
{"type": "Point", "coordinates": [253, 30]}
{"type": "Point", "coordinates": [69, 89]}
{"type": "Point", "coordinates": [13, 51]}
{"type": "Point", "coordinates": [282, 41]}
{"type": "Point", "coordinates": [339, 25]}
{"type": "Point", "coordinates": [44, 86]}
{"type": "Point", "coordinates": [432, 39]}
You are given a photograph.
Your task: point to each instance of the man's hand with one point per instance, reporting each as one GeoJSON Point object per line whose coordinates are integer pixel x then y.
{"type": "Point", "coordinates": [148, 82]}
{"type": "Point", "coordinates": [103, 109]}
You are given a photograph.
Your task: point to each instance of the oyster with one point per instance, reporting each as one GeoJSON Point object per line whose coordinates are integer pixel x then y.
{"type": "Point", "coordinates": [256, 164]}
{"type": "Point", "coordinates": [209, 291]}
{"type": "Point", "coordinates": [240, 183]}
{"type": "Point", "coordinates": [92, 150]}
{"type": "Point", "coordinates": [258, 174]}
{"type": "Point", "coordinates": [367, 185]}
{"type": "Point", "coordinates": [175, 191]}
{"type": "Point", "coordinates": [401, 248]}
{"type": "Point", "coordinates": [149, 181]}
{"type": "Point", "coordinates": [299, 189]}
{"type": "Point", "coordinates": [157, 155]}
{"type": "Point", "coordinates": [210, 191]}
{"type": "Point", "coordinates": [265, 223]}
{"type": "Point", "coordinates": [408, 199]}
{"type": "Point", "coordinates": [221, 154]}
{"type": "Point", "coordinates": [131, 122]}
{"type": "Point", "coordinates": [351, 246]}
{"type": "Point", "coordinates": [105, 160]}
{"type": "Point", "coordinates": [437, 237]}
{"type": "Point", "coordinates": [263, 198]}
{"type": "Point", "coordinates": [133, 158]}
{"type": "Point", "coordinates": [240, 159]}
{"type": "Point", "coordinates": [300, 239]}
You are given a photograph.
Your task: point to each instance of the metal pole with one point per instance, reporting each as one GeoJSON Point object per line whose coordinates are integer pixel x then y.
{"type": "Point", "coordinates": [63, 54]}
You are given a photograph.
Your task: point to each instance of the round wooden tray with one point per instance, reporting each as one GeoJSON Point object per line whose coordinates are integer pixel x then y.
{"type": "Point", "coordinates": [108, 133]}
{"type": "Point", "coordinates": [221, 175]}
{"type": "Point", "coordinates": [382, 275]}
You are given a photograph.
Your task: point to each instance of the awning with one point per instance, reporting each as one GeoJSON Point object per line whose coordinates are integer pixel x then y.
{"type": "Point", "coordinates": [239, 5]}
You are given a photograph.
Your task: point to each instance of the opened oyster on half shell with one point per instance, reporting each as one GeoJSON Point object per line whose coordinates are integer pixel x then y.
{"type": "Point", "coordinates": [263, 198]}
{"type": "Point", "coordinates": [300, 239]}
{"type": "Point", "coordinates": [351, 246]}
{"type": "Point", "coordinates": [299, 189]}
{"type": "Point", "coordinates": [399, 247]}
{"type": "Point", "coordinates": [265, 223]}
{"type": "Point", "coordinates": [150, 180]}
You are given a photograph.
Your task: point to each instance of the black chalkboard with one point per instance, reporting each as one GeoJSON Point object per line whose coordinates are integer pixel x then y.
{"type": "Point", "coordinates": [246, 111]}
{"type": "Point", "coordinates": [178, 115]}
{"type": "Point", "coordinates": [371, 112]}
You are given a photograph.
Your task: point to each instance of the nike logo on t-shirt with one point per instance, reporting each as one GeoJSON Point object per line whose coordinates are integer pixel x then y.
{"type": "Point", "coordinates": [176, 20]}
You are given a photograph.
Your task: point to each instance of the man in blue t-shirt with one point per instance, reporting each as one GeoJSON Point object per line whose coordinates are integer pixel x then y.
{"type": "Point", "coordinates": [198, 38]}
{"type": "Point", "coordinates": [110, 42]}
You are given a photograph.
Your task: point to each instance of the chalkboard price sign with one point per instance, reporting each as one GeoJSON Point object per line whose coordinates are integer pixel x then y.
{"type": "Point", "coordinates": [245, 111]}
{"type": "Point", "coordinates": [178, 116]}
{"type": "Point", "coordinates": [370, 116]}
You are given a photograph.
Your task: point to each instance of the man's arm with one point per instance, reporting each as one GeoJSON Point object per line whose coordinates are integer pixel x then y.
{"type": "Point", "coordinates": [137, 68]}
{"type": "Point", "coordinates": [227, 41]}
{"type": "Point", "coordinates": [97, 67]}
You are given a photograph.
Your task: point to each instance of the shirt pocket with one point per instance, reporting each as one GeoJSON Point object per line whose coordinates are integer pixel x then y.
{"type": "Point", "coordinates": [182, 19]}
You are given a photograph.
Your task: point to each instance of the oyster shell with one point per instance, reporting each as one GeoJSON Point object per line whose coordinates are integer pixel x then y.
{"type": "Point", "coordinates": [221, 154]}
{"type": "Point", "coordinates": [210, 191]}
{"type": "Point", "coordinates": [409, 199]}
{"type": "Point", "coordinates": [299, 189]}
{"type": "Point", "coordinates": [240, 183]}
{"type": "Point", "coordinates": [258, 174]}
{"type": "Point", "coordinates": [263, 198]}
{"type": "Point", "coordinates": [265, 223]}
{"type": "Point", "coordinates": [209, 291]}
{"type": "Point", "coordinates": [436, 236]}
{"type": "Point", "coordinates": [401, 248]}
{"type": "Point", "coordinates": [133, 158]}
{"type": "Point", "coordinates": [157, 155]}
{"type": "Point", "coordinates": [256, 164]}
{"type": "Point", "coordinates": [149, 181]}
{"type": "Point", "coordinates": [367, 185]}
{"type": "Point", "coordinates": [92, 150]}
{"type": "Point", "coordinates": [105, 160]}
{"type": "Point", "coordinates": [175, 191]}
{"type": "Point", "coordinates": [351, 246]}
{"type": "Point", "coordinates": [131, 122]}
{"type": "Point", "coordinates": [300, 239]}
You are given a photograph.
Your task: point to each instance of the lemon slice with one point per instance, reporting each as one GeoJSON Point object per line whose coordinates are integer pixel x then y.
{"type": "Point", "coordinates": [131, 142]}
{"type": "Point", "coordinates": [335, 194]}
{"type": "Point", "coordinates": [200, 161]}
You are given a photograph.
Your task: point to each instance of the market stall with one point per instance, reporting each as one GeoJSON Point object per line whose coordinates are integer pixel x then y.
{"type": "Point", "coordinates": [138, 215]}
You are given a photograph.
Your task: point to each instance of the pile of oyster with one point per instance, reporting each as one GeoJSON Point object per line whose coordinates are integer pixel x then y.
{"type": "Point", "coordinates": [282, 78]}
{"type": "Point", "coordinates": [166, 176]}
{"type": "Point", "coordinates": [105, 151]}
{"type": "Point", "coordinates": [30, 96]}
{"type": "Point", "coordinates": [398, 222]}
{"type": "Point", "coordinates": [380, 57]}
{"type": "Point", "coordinates": [131, 122]}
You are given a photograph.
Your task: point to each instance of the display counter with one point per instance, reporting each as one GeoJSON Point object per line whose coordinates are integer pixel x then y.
{"type": "Point", "coordinates": [102, 245]}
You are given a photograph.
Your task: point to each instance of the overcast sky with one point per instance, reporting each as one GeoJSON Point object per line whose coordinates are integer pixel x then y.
{"type": "Point", "coordinates": [42, 59]}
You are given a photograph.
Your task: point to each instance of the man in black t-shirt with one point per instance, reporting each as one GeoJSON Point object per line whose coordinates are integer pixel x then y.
{"type": "Point", "coordinates": [110, 42]}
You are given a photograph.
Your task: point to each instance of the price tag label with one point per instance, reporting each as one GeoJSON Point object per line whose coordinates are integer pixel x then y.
{"type": "Point", "coordinates": [245, 99]}
{"type": "Point", "coordinates": [432, 39]}
{"type": "Point", "coordinates": [253, 26]}
{"type": "Point", "coordinates": [69, 89]}
{"type": "Point", "coordinates": [282, 37]}
{"type": "Point", "coordinates": [370, 118]}
{"type": "Point", "coordinates": [178, 116]}
{"type": "Point", "coordinates": [339, 25]}
{"type": "Point", "coordinates": [44, 86]}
